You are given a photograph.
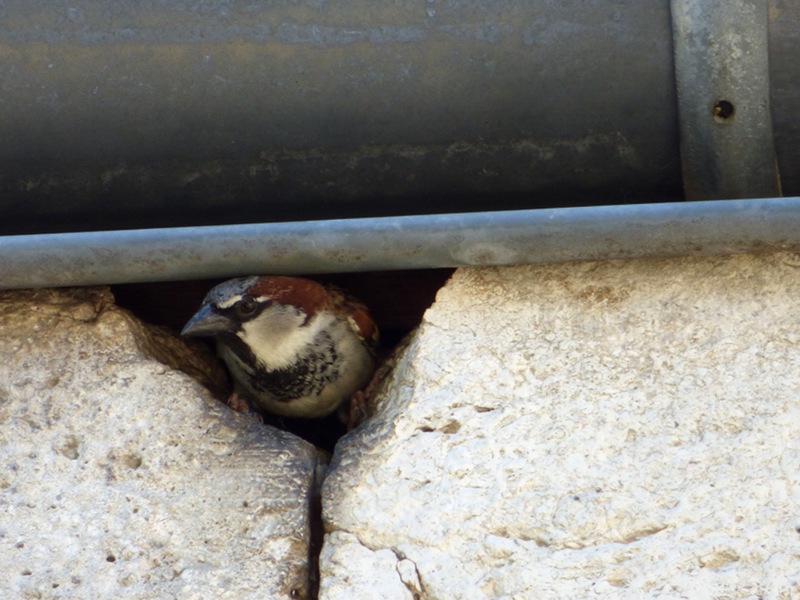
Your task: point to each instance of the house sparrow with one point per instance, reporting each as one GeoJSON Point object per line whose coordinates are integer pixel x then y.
{"type": "Point", "coordinates": [294, 347]}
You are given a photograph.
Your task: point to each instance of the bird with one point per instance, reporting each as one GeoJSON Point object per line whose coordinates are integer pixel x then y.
{"type": "Point", "coordinates": [294, 347]}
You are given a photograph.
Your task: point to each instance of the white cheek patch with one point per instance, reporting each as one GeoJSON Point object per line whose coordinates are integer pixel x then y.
{"type": "Point", "coordinates": [278, 339]}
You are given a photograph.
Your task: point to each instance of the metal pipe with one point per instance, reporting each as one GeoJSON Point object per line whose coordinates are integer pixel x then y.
{"type": "Point", "coordinates": [449, 240]}
{"type": "Point", "coordinates": [119, 114]}
{"type": "Point", "coordinates": [722, 75]}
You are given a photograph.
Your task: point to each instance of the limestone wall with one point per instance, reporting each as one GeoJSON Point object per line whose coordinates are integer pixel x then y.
{"type": "Point", "coordinates": [122, 478]}
{"type": "Point", "coordinates": [600, 430]}
{"type": "Point", "coordinates": [624, 429]}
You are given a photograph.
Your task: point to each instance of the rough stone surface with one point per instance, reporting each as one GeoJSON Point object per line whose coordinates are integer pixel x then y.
{"type": "Point", "coordinates": [375, 574]}
{"type": "Point", "coordinates": [122, 478]}
{"type": "Point", "coordinates": [626, 429]}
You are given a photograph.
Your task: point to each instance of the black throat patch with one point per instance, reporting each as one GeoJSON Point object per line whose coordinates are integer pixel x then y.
{"type": "Point", "coordinates": [314, 369]}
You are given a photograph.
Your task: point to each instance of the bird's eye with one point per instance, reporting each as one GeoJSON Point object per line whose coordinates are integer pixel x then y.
{"type": "Point", "coordinates": [247, 307]}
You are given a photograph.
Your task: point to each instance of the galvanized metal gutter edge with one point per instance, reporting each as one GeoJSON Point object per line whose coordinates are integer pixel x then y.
{"type": "Point", "coordinates": [722, 77]}
{"type": "Point", "coordinates": [411, 242]}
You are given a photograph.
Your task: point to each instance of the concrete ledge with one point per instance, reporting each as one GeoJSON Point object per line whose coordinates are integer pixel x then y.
{"type": "Point", "coordinates": [621, 429]}
{"type": "Point", "coordinates": [122, 477]}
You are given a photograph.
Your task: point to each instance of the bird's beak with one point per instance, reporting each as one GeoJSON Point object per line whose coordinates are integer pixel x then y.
{"type": "Point", "coordinates": [207, 323]}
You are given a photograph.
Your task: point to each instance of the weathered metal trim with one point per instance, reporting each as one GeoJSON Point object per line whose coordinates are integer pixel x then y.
{"type": "Point", "coordinates": [722, 76]}
{"type": "Point", "coordinates": [450, 240]}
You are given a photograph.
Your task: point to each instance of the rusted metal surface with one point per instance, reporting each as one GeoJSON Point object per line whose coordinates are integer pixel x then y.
{"type": "Point", "coordinates": [723, 81]}
{"type": "Point", "coordinates": [373, 244]}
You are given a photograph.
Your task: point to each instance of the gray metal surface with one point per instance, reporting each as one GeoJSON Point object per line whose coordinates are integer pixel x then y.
{"type": "Point", "coordinates": [497, 238]}
{"type": "Point", "coordinates": [124, 115]}
{"type": "Point", "coordinates": [119, 115]}
{"type": "Point", "coordinates": [722, 74]}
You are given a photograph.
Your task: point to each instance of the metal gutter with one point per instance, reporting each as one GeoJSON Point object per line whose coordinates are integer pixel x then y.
{"type": "Point", "coordinates": [411, 242]}
{"type": "Point", "coordinates": [722, 75]}
{"type": "Point", "coordinates": [119, 114]}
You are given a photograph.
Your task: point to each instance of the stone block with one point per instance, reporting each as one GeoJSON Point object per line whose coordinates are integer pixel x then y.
{"type": "Point", "coordinates": [623, 429]}
{"type": "Point", "coordinates": [122, 477]}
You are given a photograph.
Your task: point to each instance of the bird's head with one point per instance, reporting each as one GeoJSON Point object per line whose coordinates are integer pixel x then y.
{"type": "Point", "coordinates": [274, 317]}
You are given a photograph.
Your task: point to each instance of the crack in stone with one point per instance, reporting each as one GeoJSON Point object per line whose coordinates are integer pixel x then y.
{"type": "Point", "coordinates": [409, 575]}
{"type": "Point", "coordinates": [316, 531]}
